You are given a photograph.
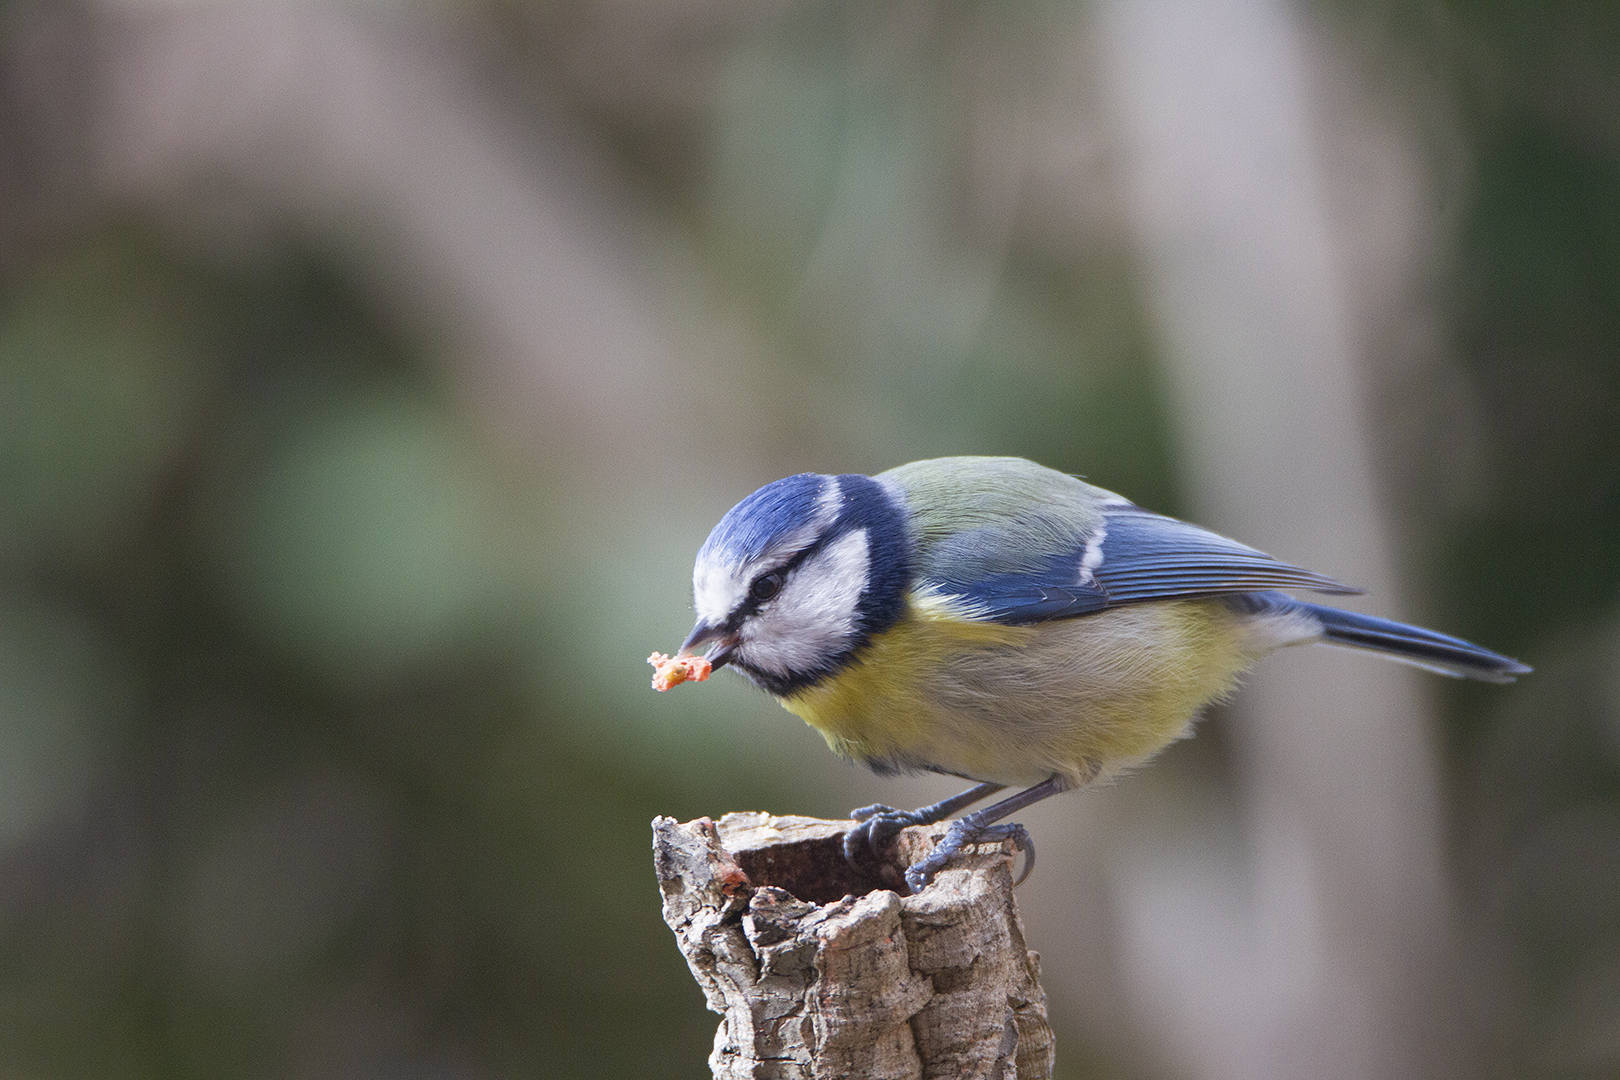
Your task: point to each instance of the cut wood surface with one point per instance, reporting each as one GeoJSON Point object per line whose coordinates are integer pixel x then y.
{"type": "Point", "coordinates": [819, 971]}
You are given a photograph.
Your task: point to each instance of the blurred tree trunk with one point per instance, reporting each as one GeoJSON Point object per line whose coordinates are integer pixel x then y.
{"type": "Point", "coordinates": [1339, 965]}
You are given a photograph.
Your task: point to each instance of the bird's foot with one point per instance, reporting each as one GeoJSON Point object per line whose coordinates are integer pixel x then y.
{"type": "Point", "coordinates": [878, 824]}
{"type": "Point", "coordinates": [962, 833]}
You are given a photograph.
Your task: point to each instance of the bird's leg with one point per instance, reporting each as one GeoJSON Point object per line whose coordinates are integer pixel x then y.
{"type": "Point", "coordinates": [980, 826]}
{"type": "Point", "coordinates": [879, 824]}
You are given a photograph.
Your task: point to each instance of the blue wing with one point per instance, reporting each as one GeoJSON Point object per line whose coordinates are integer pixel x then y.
{"type": "Point", "coordinates": [1135, 556]}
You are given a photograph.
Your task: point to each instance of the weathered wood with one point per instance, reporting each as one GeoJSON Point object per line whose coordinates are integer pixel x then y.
{"type": "Point", "coordinates": [818, 972]}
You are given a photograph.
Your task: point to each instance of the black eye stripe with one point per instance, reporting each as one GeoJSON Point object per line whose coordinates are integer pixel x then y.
{"type": "Point", "coordinates": [751, 603]}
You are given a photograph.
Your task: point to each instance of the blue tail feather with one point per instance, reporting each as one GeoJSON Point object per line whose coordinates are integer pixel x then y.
{"type": "Point", "coordinates": [1413, 645]}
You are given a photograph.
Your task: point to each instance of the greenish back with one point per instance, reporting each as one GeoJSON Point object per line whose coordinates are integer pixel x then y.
{"type": "Point", "coordinates": [977, 516]}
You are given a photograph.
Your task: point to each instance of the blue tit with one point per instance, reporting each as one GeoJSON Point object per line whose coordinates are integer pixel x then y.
{"type": "Point", "coordinates": [992, 619]}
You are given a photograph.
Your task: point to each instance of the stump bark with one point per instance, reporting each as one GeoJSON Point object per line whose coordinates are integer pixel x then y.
{"type": "Point", "coordinates": [819, 971]}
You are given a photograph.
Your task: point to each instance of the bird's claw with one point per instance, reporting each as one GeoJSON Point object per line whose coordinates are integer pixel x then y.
{"type": "Point", "coordinates": [877, 826]}
{"type": "Point", "coordinates": [962, 833]}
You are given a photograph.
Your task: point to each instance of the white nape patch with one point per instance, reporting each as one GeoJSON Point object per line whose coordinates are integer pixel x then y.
{"type": "Point", "coordinates": [828, 504]}
{"type": "Point", "coordinates": [1093, 557]}
{"type": "Point", "coordinates": [719, 585]}
{"type": "Point", "coordinates": [813, 618]}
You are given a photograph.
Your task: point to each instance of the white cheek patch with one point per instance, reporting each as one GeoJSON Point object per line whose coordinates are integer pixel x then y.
{"type": "Point", "coordinates": [814, 616]}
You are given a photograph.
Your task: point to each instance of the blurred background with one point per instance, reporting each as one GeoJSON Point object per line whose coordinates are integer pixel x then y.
{"type": "Point", "coordinates": [370, 372]}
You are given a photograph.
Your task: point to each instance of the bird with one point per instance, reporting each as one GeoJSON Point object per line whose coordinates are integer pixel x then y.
{"type": "Point", "coordinates": [995, 620]}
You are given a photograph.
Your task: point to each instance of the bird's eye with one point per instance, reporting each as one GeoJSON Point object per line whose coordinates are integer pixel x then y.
{"type": "Point", "coordinates": [765, 586]}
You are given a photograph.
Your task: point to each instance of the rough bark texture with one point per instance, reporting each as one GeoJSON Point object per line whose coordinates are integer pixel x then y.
{"type": "Point", "coordinates": [819, 972]}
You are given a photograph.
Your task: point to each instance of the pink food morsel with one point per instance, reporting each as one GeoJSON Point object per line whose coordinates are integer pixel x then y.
{"type": "Point", "coordinates": [674, 670]}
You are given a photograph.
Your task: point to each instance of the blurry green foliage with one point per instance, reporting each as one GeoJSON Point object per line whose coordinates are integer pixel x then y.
{"type": "Point", "coordinates": [64, 701]}
{"type": "Point", "coordinates": [832, 198]}
{"type": "Point", "coordinates": [1538, 302]}
{"type": "Point", "coordinates": [279, 791]}
{"type": "Point", "coordinates": [94, 398]}
{"type": "Point", "coordinates": [363, 537]}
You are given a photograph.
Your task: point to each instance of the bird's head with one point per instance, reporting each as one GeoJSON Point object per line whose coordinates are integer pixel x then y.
{"type": "Point", "coordinates": [797, 577]}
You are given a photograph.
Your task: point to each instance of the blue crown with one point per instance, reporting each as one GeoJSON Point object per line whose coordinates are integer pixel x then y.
{"type": "Point", "coordinates": [749, 527]}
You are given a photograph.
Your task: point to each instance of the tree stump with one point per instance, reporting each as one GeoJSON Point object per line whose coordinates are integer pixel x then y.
{"type": "Point", "coordinates": [818, 971]}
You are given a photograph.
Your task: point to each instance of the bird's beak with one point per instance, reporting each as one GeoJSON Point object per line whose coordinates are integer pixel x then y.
{"type": "Point", "coordinates": [725, 643]}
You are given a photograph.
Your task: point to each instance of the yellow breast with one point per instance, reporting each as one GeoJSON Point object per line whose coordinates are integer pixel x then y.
{"type": "Point", "coordinates": [1015, 704]}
